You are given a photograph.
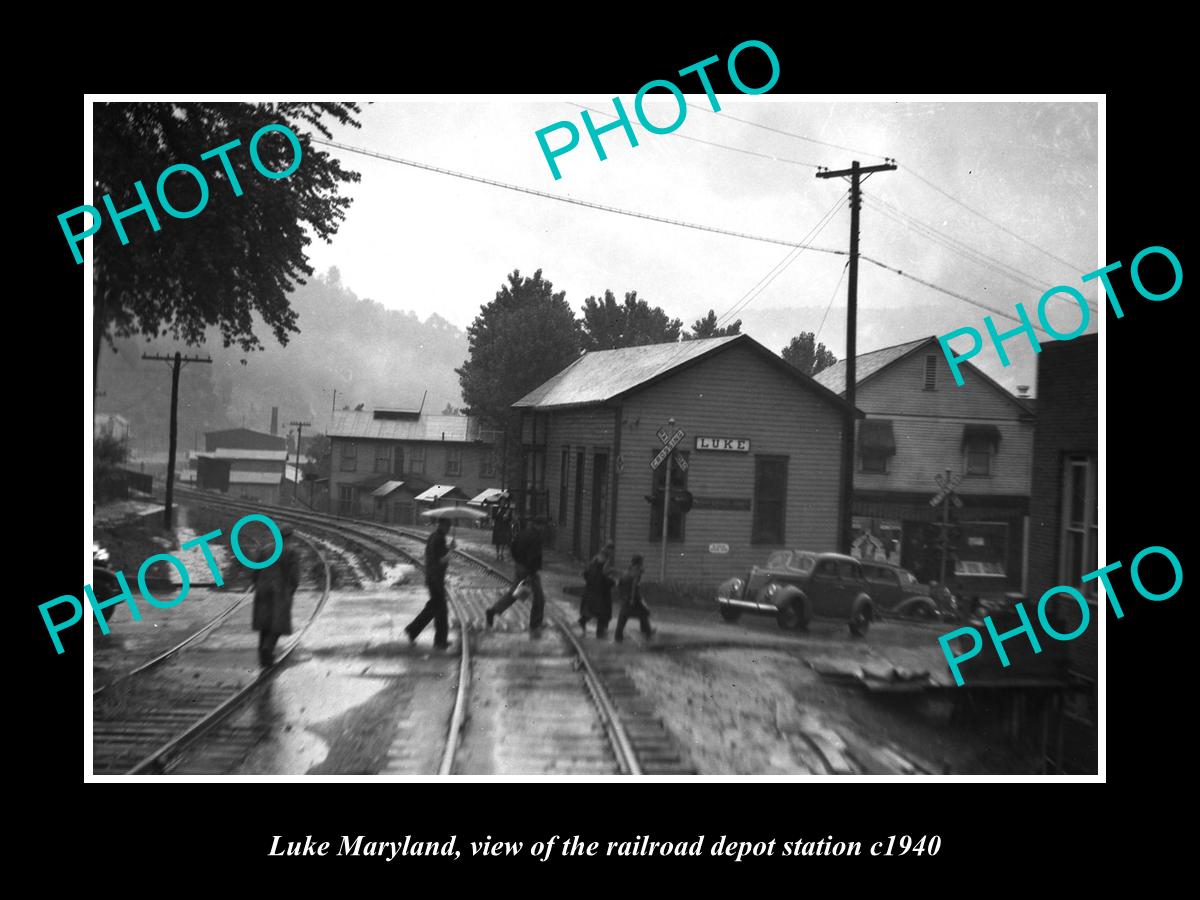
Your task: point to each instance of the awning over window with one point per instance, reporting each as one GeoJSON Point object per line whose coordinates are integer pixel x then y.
{"type": "Point", "coordinates": [981, 437]}
{"type": "Point", "coordinates": [875, 437]}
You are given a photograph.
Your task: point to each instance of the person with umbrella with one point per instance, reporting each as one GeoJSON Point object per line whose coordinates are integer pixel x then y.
{"type": "Point", "coordinates": [437, 559]}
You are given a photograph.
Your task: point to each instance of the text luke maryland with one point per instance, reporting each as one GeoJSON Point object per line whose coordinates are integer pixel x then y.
{"type": "Point", "coordinates": [360, 846]}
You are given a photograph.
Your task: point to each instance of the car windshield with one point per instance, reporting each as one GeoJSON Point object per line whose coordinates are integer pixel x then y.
{"type": "Point", "coordinates": [796, 560]}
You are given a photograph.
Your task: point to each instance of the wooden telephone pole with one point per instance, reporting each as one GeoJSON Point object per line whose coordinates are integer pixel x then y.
{"type": "Point", "coordinates": [845, 531]}
{"type": "Point", "coordinates": [177, 362]}
{"type": "Point", "coordinates": [299, 437]}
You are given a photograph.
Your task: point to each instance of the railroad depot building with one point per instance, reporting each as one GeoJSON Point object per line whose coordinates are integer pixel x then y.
{"type": "Point", "coordinates": [760, 451]}
{"type": "Point", "coordinates": [919, 424]}
{"type": "Point", "coordinates": [387, 464]}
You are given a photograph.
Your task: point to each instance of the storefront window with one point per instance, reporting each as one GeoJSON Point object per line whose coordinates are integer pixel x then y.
{"type": "Point", "coordinates": [982, 549]}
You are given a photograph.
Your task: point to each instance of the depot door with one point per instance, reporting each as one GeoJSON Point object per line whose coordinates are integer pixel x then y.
{"type": "Point", "coordinates": [577, 524]}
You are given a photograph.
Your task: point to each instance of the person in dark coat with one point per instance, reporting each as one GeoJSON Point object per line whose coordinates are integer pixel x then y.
{"type": "Point", "coordinates": [273, 590]}
{"type": "Point", "coordinates": [596, 602]}
{"type": "Point", "coordinates": [437, 559]}
{"type": "Point", "coordinates": [501, 526]}
{"type": "Point", "coordinates": [526, 549]}
{"type": "Point", "coordinates": [629, 591]}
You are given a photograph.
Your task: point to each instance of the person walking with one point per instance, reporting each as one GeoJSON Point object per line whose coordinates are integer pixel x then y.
{"type": "Point", "coordinates": [501, 526]}
{"type": "Point", "coordinates": [596, 602]}
{"type": "Point", "coordinates": [526, 549]}
{"type": "Point", "coordinates": [273, 590]}
{"type": "Point", "coordinates": [437, 558]}
{"type": "Point", "coordinates": [629, 591]}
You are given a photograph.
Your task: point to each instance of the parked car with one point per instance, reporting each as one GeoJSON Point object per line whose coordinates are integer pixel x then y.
{"type": "Point", "coordinates": [896, 590]}
{"type": "Point", "coordinates": [796, 585]}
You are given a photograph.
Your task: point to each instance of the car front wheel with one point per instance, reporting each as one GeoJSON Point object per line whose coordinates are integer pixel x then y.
{"type": "Point", "coordinates": [730, 613]}
{"type": "Point", "coordinates": [860, 622]}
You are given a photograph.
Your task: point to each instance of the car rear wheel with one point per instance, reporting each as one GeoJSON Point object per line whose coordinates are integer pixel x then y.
{"type": "Point", "coordinates": [730, 613]}
{"type": "Point", "coordinates": [923, 611]}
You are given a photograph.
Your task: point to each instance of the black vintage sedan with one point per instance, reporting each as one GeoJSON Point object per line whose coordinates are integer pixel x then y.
{"type": "Point", "coordinates": [897, 591]}
{"type": "Point", "coordinates": [796, 585]}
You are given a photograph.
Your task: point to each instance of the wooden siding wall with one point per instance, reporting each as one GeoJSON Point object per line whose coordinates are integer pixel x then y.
{"type": "Point", "coordinates": [589, 431]}
{"type": "Point", "coordinates": [928, 426]}
{"type": "Point", "coordinates": [734, 394]}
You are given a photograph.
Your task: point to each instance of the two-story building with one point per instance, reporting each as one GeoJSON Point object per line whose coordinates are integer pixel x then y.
{"type": "Point", "coordinates": [385, 461]}
{"type": "Point", "coordinates": [759, 456]}
{"type": "Point", "coordinates": [1064, 532]}
{"type": "Point", "coordinates": [243, 463]}
{"type": "Point", "coordinates": [920, 425]}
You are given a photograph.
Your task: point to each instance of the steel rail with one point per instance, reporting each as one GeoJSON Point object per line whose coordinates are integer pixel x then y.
{"type": "Point", "coordinates": [202, 726]}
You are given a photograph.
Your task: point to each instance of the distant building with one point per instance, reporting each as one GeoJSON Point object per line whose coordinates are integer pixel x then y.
{"type": "Point", "coordinates": [760, 447]}
{"type": "Point", "coordinates": [1064, 535]}
{"type": "Point", "coordinates": [919, 425]}
{"type": "Point", "coordinates": [243, 439]}
{"type": "Point", "coordinates": [110, 425]}
{"type": "Point", "coordinates": [384, 459]}
{"type": "Point", "coordinates": [248, 474]}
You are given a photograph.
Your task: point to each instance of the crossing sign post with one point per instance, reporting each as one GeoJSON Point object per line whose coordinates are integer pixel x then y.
{"type": "Point", "coordinates": [944, 497]}
{"type": "Point", "coordinates": [670, 442]}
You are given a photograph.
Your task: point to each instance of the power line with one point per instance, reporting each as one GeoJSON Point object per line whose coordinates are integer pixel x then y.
{"type": "Point", "coordinates": [784, 263]}
{"type": "Point", "coordinates": [688, 137]}
{"type": "Point", "coordinates": [993, 222]}
{"type": "Point", "coordinates": [947, 292]}
{"type": "Point", "coordinates": [585, 203]}
{"type": "Point", "coordinates": [829, 305]}
{"type": "Point", "coordinates": [908, 169]}
{"type": "Point", "coordinates": [725, 115]}
{"type": "Point", "coordinates": [964, 250]}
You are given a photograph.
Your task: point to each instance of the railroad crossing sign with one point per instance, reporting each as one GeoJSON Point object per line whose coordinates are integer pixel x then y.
{"type": "Point", "coordinates": [682, 463]}
{"type": "Point", "coordinates": [669, 444]}
{"type": "Point", "coordinates": [947, 486]}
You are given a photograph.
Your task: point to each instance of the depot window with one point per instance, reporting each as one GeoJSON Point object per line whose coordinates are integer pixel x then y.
{"type": "Point", "coordinates": [454, 460]}
{"type": "Point", "coordinates": [383, 459]}
{"type": "Point", "coordinates": [1079, 523]}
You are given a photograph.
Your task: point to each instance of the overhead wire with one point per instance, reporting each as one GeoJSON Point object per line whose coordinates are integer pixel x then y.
{"type": "Point", "coordinates": [688, 137]}
{"type": "Point", "coordinates": [829, 305]}
{"type": "Point", "coordinates": [911, 171]}
{"type": "Point", "coordinates": [571, 200]}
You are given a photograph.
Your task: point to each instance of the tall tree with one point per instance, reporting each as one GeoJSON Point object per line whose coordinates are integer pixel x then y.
{"type": "Point", "coordinates": [806, 357]}
{"type": "Point", "coordinates": [608, 325]}
{"type": "Point", "coordinates": [240, 255]}
{"type": "Point", "coordinates": [707, 328]}
{"type": "Point", "coordinates": [524, 336]}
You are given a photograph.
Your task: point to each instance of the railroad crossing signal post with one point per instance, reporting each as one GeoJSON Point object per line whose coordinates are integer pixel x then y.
{"type": "Point", "coordinates": [855, 172]}
{"type": "Point", "coordinates": [945, 497]}
{"type": "Point", "coordinates": [178, 361]}
{"type": "Point", "coordinates": [667, 453]}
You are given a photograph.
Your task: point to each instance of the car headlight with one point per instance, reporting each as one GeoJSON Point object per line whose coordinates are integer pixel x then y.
{"type": "Point", "coordinates": [772, 590]}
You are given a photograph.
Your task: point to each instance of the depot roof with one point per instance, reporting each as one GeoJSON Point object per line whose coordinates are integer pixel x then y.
{"type": "Point", "coordinates": [605, 375]}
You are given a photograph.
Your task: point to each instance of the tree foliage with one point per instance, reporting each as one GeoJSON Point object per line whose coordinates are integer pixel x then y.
{"type": "Point", "coordinates": [608, 325]}
{"type": "Point", "coordinates": [240, 255]}
{"type": "Point", "coordinates": [707, 328]}
{"type": "Point", "coordinates": [806, 357]}
{"type": "Point", "coordinates": [526, 335]}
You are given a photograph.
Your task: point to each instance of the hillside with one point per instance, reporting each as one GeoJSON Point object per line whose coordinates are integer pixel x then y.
{"type": "Point", "coordinates": [367, 353]}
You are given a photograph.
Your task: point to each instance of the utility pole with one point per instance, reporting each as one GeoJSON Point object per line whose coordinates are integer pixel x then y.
{"type": "Point", "coordinates": [299, 437]}
{"type": "Point", "coordinates": [855, 172]}
{"type": "Point", "coordinates": [177, 362]}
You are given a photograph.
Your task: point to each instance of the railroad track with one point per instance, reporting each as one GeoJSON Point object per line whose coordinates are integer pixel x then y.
{"type": "Point", "coordinates": [527, 710]}
{"type": "Point", "coordinates": [142, 723]}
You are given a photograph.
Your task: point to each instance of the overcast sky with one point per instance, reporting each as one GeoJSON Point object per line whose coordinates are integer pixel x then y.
{"type": "Point", "coordinates": [427, 242]}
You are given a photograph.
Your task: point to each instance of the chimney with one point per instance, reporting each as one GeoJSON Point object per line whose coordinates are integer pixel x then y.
{"type": "Point", "coordinates": [1022, 390]}
{"type": "Point", "coordinates": [275, 420]}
